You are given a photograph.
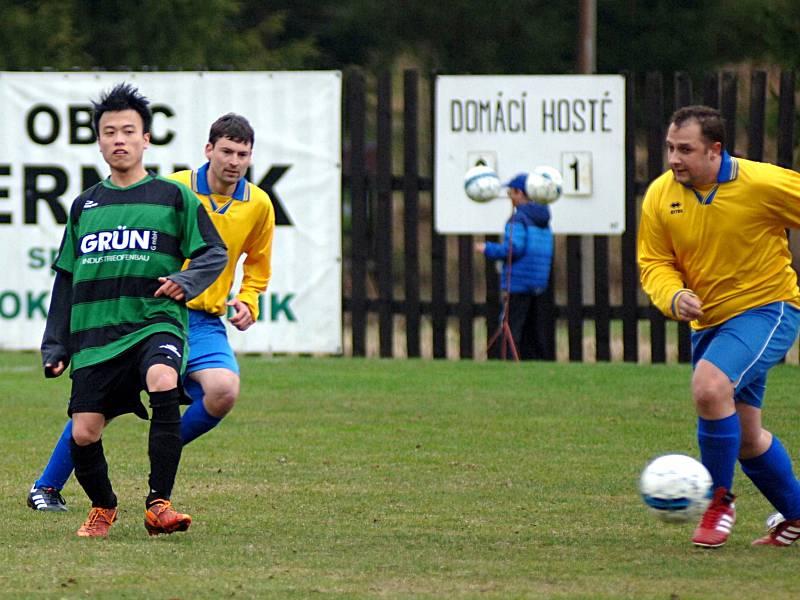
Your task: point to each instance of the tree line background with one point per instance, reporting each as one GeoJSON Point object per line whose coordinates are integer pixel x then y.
{"type": "Point", "coordinates": [455, 36]}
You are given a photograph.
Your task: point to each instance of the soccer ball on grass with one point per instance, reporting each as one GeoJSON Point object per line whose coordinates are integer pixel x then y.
{"type": "Point", "coordinates": [676, 488]}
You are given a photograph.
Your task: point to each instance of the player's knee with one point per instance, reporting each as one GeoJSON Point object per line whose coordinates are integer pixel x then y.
{"type": "Point", "coordinates": [161, 378]}
{"type": "Point", "coordinates": [712, 393]}
{"type": "Point", "coordinates": [220, 396]}
{"type": "Point", "coordinates": [221, 403]}
{"type": "Point", "coordinates": [84, 435]}
{"type": "Point", "coordinates": [754, 443]}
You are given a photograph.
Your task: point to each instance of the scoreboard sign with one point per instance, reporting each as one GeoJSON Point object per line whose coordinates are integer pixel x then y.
{"type": "Point", "coordinates": [514, 123]}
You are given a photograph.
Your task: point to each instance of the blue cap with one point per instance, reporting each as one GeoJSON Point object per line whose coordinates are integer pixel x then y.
{"type": "Point", "coordinates": [518, 182]}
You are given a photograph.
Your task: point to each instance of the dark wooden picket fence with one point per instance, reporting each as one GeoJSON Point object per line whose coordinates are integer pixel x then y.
{"type": "Point", "coordinates": [373, 233]}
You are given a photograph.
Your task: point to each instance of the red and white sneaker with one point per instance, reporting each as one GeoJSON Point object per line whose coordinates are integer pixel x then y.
{"type": "Point", "coordinates": [780, 532]}
{"type": "Point", "coordinates": [717, 521]}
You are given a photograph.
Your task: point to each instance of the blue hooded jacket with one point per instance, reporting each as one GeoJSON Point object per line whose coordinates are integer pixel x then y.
{"type": "Point", "coordinates": [532, 249]}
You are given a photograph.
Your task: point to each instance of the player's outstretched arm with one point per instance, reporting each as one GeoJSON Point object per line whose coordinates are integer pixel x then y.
{"type": "Point", "coordinates": [55, 346]}
{"type": "Point", "coordinates": [203, 270]}
{"type": "Point", "coordinates": [659, 274]}
{"type": "Point", "coordinates": [256, 268]}
{"type": "Point", "coordinates": [202, 245]}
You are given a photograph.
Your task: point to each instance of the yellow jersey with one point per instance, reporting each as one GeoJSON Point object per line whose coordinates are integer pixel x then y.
{"type": "Point", "coordinates": [246, 223]}
{"type": "Point", "coordinates": [725, 242]}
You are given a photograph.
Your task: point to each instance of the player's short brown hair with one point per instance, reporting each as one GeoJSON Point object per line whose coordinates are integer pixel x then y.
{"type": "Point", "coordinates": [234, 127]}
{"type": "Point", "coordinates": [712, 125]}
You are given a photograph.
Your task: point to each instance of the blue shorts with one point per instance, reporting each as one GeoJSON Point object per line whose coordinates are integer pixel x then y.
{"type": "Point", "coordinates": [208, 348]}
{"type": "Point", "coordinates": [747, 346]}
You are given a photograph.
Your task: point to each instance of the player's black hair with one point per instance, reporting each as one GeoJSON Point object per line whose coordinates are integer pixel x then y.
{"type": "Point", "coordinates": [712, 125]}
{"type": "Point", "coordinates": [122, 96]}
{"type": "Point", "coordinates": [234, 127]}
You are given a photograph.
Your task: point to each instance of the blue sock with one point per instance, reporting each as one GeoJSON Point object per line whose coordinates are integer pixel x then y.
{"type": "Point", "coordinates": [60, 465]}
{"type": "Point", "coordinates": [196, 421]}
{"type": "Point", "coordinates": [772, 474]}
{"type": "Point", "coordinates": [719, 441]}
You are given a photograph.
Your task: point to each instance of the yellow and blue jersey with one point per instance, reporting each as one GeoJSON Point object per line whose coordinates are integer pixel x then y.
{"type": "Point", "coordinates": [246, 222]}
{"type": "Point", "coordinates": [726, 242]}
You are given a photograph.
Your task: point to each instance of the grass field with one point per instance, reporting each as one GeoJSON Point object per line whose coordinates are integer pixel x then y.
{"type": "Point", "coordinates": [352, 478]}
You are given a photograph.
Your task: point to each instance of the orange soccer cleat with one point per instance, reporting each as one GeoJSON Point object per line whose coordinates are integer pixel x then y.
{"type": "Point", "coordinates": [98, 522]}
{"type": "Point", "coordinates": [162, 518]}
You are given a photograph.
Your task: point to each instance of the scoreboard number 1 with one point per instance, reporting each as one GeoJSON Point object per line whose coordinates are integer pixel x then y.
{"type": "Point", "coordinates": [576, 168]}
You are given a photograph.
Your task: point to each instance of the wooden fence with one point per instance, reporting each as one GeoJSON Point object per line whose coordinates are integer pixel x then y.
{"type": "Point", "coordinates": [373, 232]}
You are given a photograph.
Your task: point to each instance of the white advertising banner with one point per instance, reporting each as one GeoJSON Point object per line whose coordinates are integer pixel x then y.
{"type": "Point", "coordinates": [514, 123]}
{"type": "Point", "coordinates": [48, 156]}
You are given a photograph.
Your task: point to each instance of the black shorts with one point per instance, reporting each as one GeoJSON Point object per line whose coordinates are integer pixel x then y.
{"type": "Point", "coordinates": [113, 387]}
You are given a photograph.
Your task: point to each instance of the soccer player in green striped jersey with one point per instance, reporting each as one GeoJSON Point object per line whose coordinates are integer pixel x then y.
{"type": "Point", "coordinates": [118, 311]}
{"type": "Point", "coordinates": [244, 217]}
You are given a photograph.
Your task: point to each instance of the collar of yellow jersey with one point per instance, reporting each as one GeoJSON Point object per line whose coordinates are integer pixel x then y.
{"type": "Point", "coordinates": [728, 171]}
{"type": "Point", "coordinates": [200, 185]}
{"type": "Point", "coordinates": [728, 168]}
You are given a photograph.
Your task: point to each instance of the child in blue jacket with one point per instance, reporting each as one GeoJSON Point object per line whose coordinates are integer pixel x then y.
{"type": "Point", "coordinates": [528, 231]}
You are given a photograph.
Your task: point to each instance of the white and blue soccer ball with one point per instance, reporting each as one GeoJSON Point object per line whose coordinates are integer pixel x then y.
{"type": "Point", "coordinates": [544, 184]}
{"type": "Point", "coordinates": [676, 488]}
{"type": "Point", "coordinates": [482, 184]}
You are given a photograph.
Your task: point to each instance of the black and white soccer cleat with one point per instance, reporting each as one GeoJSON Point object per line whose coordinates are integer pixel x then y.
{"type": "Point", "coordinates": [46, 498]}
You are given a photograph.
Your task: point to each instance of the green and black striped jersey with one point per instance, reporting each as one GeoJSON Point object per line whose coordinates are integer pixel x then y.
{"type": "Point", "coordinates": [117, 243]}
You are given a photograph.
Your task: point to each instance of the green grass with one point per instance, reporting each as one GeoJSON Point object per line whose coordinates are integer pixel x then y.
{"type": "Point", "coordinates": [413, 479]}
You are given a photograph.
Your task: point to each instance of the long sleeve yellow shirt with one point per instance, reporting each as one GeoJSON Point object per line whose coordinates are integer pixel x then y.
{"type": "Point", "coordinates": [246, 223]}
{"type": "Point", "coordinates": [725, 242]}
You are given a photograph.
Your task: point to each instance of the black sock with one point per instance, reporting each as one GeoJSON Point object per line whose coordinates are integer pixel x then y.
{"type": "Point", "coordinates": [91, 471]}
{"type": "Point", "coordinates": [165, 443]}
